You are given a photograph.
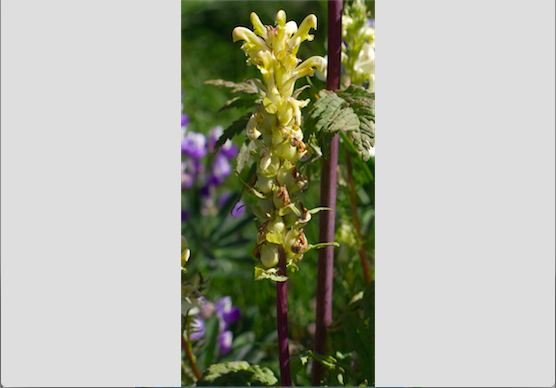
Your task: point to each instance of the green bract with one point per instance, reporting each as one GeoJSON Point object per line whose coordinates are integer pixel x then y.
{"type": "Point", "coordinates": [274, 127]}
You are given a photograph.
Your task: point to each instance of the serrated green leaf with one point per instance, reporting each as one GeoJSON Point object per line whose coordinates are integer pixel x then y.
{"type": "Point", "coordinates": [352, 111]}
{"type": "Point", "coordinates": [330, 114]}
{"type": "Point", "coordinates": [234, 129]}
{"type": "Point", "coordinates": [363, 104]}
{"type": "Point", "coordinates": [243, 101]}
{"type": "Point", "coordinates": [237, 373]}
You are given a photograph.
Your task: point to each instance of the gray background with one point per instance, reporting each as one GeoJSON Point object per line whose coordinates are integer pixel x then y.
{"type": "Point", "coordinates": [465, 195]}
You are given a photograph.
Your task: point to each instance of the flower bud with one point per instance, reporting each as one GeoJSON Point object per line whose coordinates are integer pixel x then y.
{"type": "Point", "coordinates": [281, 18]}
{"type": "Point", "coordinates": [251, 128]}
{"type": "Point", "coordinates": [287, 151]}
{"type": "Point", "coordinates": [285, 113]}
{"type": "Point", "coordinates": [277, 136]}
{"type": "Point", "coordinates": [258, 26]}
{"type": "Point", "coordinates": [285, 176]}
{"type": "Point", "coordinates": [300, 244]}
{"type": "Point", "coordinates": [269, 255]}
{"type": "Point", "coordinates": [276, 225]}
{"type": "Point", "coordinates": [269, 164]}
{"type": "Point", "coordinates": [185, 257]}
{"type": "Point", "coordinates": [264, 184]}
{"type": "Point", "coordinates": [290, 219]}
{"type": "Point", "coordinates": [305, 215]}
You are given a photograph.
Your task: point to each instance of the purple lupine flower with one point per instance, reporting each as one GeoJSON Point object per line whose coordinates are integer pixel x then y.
{"type": "Point", "coordinates": [225, 341]}
{"type": "Point", "coordinates": [194, 145]}
{"type": "Point", "coordinates": [184, 215]}
{"type": "Point", "coordinates": [197, 329]}
{"type": "Point", "coordinates": [370, 23]}
{"type": "Point", "coordinates": [208, 308]}
{"type": "Point", "coordinates": [213, 136]}
{"type": "Point", "coordinates": [220, 169]}
{"type": "Point", "coordinates": [239, 207]}
{"type": "Point", "coordinates": [184, 120]}
{"type": "Point", "coordinates": [186, 177]}
{"type": "Point", "coordinates": [229, 149]}
{"type": "Point", "coordinates": [226, 313]}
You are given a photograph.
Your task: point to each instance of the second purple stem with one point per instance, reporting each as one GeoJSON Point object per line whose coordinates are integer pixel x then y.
{"type": "Point", "coordinates": [328, 197]}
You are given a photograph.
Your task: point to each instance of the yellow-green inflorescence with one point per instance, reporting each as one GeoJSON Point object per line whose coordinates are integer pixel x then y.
{"type": "Point", "coordinates": [358, 47]}
{"type": "Point", "coordinates": [274, 126]}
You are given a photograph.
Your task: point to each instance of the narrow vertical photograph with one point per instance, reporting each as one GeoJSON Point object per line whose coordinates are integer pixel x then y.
{"type": "Point", "coordinates": [278, 193]}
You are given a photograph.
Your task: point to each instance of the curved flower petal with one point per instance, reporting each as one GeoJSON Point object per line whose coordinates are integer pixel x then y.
{"type": "Point", "coordinates": [225, 341]}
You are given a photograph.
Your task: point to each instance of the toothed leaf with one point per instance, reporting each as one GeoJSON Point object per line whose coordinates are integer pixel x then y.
{"type": "Point", "coordinates": [234, 129]}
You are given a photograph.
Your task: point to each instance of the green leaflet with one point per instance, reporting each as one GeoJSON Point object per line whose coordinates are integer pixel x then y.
{"type": "Point", "coordinates": [237, 373]}
{"type": "Point", "coordinates": [318, 209]}
{"type": "Point", "coordinates": [321, 245]}
{"type": "Point", "coordinates": [352, 111]}
{"type": "Point", "coordinates": [261, 274]}
{"type": "Point", "coordinates": [234, 129]}
{"type": "Point", "coordinates": [248, 86]}
{"type": "Point", "coordinates": [243, 101]}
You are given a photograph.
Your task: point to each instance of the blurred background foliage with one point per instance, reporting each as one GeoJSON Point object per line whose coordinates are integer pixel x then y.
{"type": "Point", "coordinates": [221, 245]}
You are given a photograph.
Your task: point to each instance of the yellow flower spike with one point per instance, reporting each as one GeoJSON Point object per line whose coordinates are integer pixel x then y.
{"type": "Point", "coordinates": [259, 27]}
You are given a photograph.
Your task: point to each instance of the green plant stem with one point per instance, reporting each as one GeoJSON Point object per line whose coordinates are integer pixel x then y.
{"type": "Point", "coordinates": [190, 357]}
{"type": "Point", "coordinates": [356, 223]}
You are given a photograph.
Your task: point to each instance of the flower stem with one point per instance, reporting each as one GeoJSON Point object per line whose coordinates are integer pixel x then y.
{"type": "Point", "coordinates": [282, 321]}
{"type": "Point", "coordinates": [190, 357]}
{"type": "Point", "coordinates": [356, 223]}
{"type": "Point", "coordinates": [328, 197]}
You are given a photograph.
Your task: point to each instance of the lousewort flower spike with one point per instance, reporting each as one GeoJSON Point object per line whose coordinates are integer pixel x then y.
{"type": "Point", "coordinates": [274, 127]}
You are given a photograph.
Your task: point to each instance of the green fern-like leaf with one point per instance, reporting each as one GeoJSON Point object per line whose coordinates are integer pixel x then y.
{"type": "Point", "coordinates": [248, 86]}
{"type": "Point", "coordinates": [233, 130]}
{"type": "Point", "coordinates": [242, 101]}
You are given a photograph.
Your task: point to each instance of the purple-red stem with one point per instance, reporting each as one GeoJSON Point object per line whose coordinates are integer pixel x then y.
{"type": "Point", "coordinates": [328, 197]}
{"type": "Point", "coordinates": [282, 321]}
